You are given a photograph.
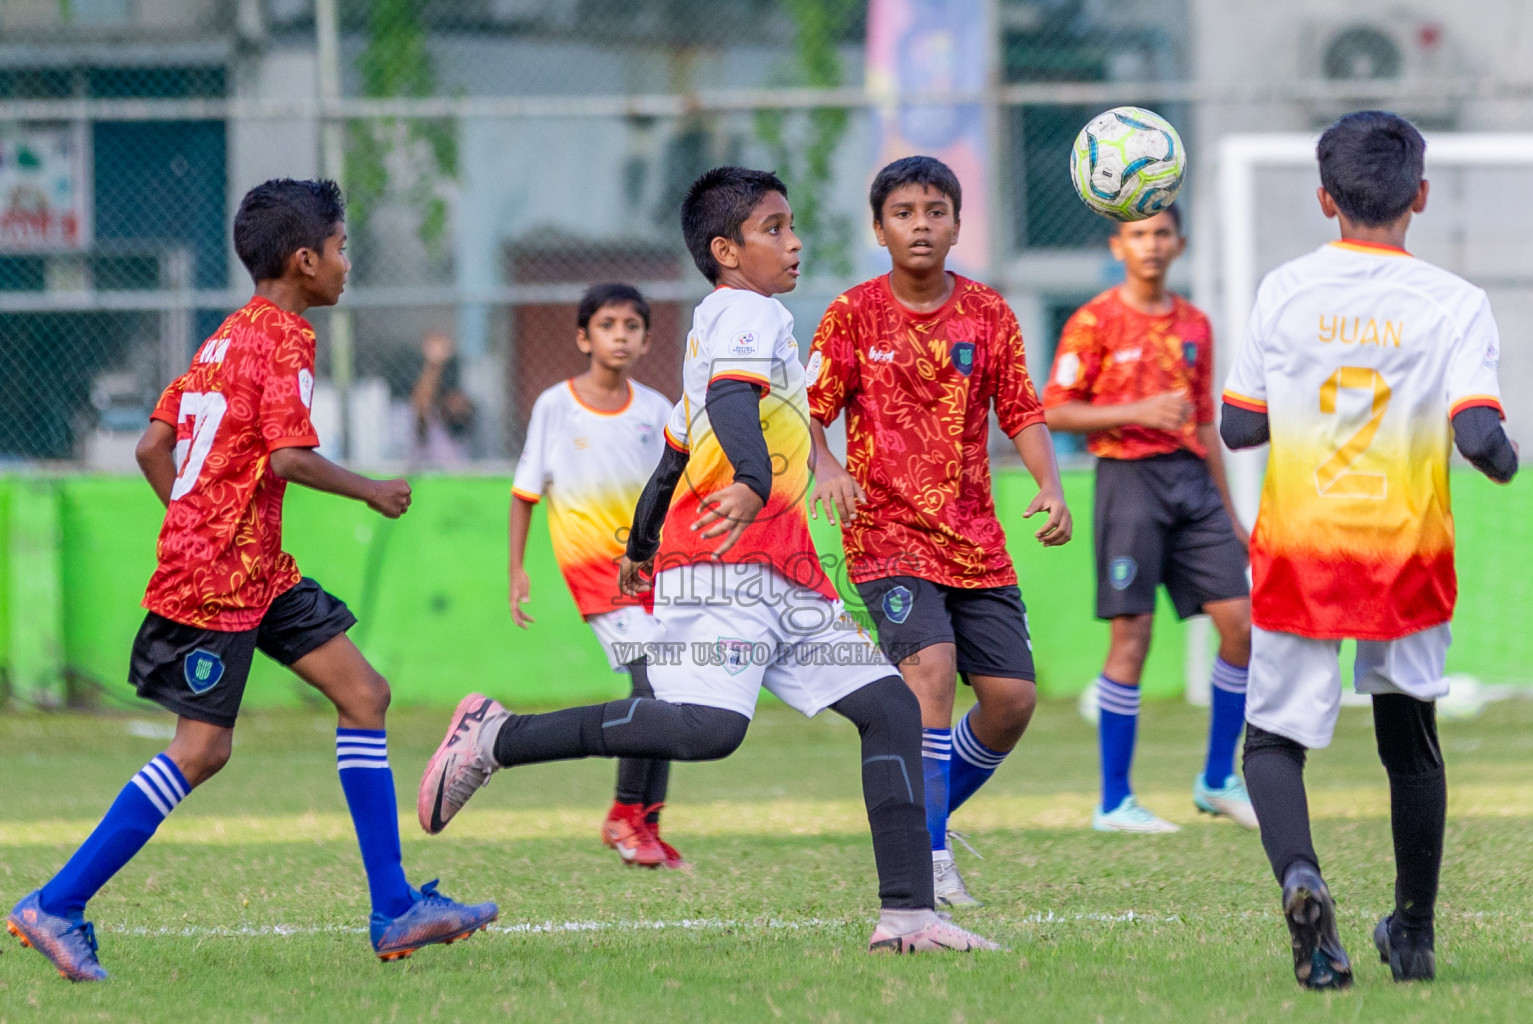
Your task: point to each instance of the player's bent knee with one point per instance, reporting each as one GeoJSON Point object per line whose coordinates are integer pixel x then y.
{"type": "Point", "coordinates": [1406, 732]}
{"type": "Point", "coordinates": [708, 734]}
{"type": "Point", "coordinates": [200, 760]}
{"type": "Point", "coordinates": [885, 706]}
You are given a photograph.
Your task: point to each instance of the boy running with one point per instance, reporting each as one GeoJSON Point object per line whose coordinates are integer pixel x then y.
{"type": "Point", "coordinates": [737, 584]}
{"type": "Point", "coordinates": [917, 358]}
{"type": "Point", "coordinates": [1134, 373]}
{"type": "Point", "coordinates": [222, 444]}
{"type": "Point", "coordinates": [1363, 366]}
{"type": "Point", "coordinates": [591, 444]}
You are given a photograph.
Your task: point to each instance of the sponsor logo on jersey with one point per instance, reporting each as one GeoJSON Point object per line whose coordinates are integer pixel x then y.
{"type": "Point", "coordinates": [203, 670]}
{"type": "Point", "coordinates": [1121, 572]}
{"type": "Point", "coordinates": [880, 355]}
{"type": "Point", "coordinates": [1127, 355]}
{"type": "Point", "coordinates": [898, 601]}
{"type": "Point", "coordinates": [963, 357]}
{"type": "Point", "coordinates": [812, 368]}
{"type": "Point", "coordinates": [1190, 352]}
{"type": "Point", "coordinates": [744, 344]}
{"type": "Point", "coordinates": [214, 351]}
{"type": "Point", "coordinates": [1068, 371]}
{"type": "Point", "coordinates": [306, 388]}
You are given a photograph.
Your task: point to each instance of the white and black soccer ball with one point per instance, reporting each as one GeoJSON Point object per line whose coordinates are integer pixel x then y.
{"type": "Point", "coordinates": [1128, 163]}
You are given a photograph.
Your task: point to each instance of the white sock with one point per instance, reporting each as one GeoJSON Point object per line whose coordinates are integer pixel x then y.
{"type": "Point", "coordinates": [903, 922]}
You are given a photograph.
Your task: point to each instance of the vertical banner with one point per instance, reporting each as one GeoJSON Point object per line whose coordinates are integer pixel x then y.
{"type": "Point", "coordinates": [926, 46]}
{"type": "Point", "coordinates": [44, 188]}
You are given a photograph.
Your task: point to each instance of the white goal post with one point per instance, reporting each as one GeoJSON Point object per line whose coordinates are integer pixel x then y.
{"type": "Point", "coordinates": [1241, 159]}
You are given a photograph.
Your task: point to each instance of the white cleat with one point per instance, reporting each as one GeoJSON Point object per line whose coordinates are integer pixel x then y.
{"type": "Point", "coordinates": [937, 937]}
{"type": "Point", "coordinates": [1130, 817]}
{"type": "Point", "coordinates": [1230, 801]}
{"type": "Point", "coordinates": [947, 883]}
{"type": "Point", "coordinates": [462, 764]}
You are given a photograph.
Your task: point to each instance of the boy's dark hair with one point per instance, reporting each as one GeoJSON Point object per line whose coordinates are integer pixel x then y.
{"type": "Point", "coordinates": [717, 206]}
{"type": "Point", "coordinates": [1176, 218]}
{"type": "Point", "coordinates": [914, 170]}
{"type": "Point", "coordinates": [281, 216]}
{"type": "Point", "coordinates": [611, 294]}
{"type": "Point", "coordinates": [1371, 163]}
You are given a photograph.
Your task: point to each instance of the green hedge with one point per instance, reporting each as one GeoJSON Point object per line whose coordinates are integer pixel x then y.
{"type": "Point", "coordinates": [430, 591]}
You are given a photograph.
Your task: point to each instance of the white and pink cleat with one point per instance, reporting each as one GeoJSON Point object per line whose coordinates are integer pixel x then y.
{"type": "Point", "coordinates": [463, 763]}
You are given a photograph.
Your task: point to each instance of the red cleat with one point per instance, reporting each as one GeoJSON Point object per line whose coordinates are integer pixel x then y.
{"type": "Point", "coordinates": [626, 831]}
{"type": "Point", "coordinates": [673, 859]}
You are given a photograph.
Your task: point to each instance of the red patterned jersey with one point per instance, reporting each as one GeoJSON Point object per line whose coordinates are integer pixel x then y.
{"type": "Point", "coordinates": [917, 389]}
{"type": "Point", "coordinates": [1111, 354]}
{"type": "Point", "coordinates": [248, 392]}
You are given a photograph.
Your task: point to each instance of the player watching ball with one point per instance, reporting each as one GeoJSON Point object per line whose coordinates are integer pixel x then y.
{"type": "Point", "coordinates": [223, 442]}
{"type": "Point", "coordinates": [917, 358]}
{"type": "Point", "coordinates": [592, 443]}
{"type": "Point", "coordinates": [1363, 366]}
{"type": "Point", "coordinates": [1134, 373]}
{"type": "Point", "coordinates": [735, 574]}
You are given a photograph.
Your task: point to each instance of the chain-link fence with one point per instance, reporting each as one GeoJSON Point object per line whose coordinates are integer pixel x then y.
{"type": "Point", "coordinates": [501, 155]}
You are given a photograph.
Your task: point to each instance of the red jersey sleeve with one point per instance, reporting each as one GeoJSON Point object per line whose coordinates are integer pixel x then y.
{"type": "Point", "coordinates": [832, 372]}
{"type": "Point", "coordinates": [1077, 361]}
{"type": "Point", "coordinates": [1203, 375]}
{"type": "Point", "coordinates": [168, 408]}
{"type": "Point", "coordinates": [288, 393]}
{"type": "Point", "coordinates": [1016, 400]}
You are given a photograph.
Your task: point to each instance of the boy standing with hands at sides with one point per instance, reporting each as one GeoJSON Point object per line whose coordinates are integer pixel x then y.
{"type": "Point", "coordinates": [1134, 373]}
{"type": "Point", "coordinates": [223, 443]}
{"type": "Point", "coordinates": [917, 358]}
{"type": "Point", "coordinates": [592, 443]}
{"type": "Point", "coordinates": [1363, 366]}
{"type": "Point", "coordinates": [737, 583]}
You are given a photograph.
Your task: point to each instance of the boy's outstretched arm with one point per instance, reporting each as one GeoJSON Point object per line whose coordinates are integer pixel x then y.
{"type": "Point", "coordinates": [1037, 450]}
{"type": "Point", "coordinates": [1479, 435]}
{"type": "Point", "coordinates": [648, 518]}
{"type": "Point", "coordinates": [834, 487]}
{"type": "Point", "coordinates": [305, 466]}
{"type": "Point", "coordinates": [521, 586]}
{"type": "Point", "coordinates": [156, 455]}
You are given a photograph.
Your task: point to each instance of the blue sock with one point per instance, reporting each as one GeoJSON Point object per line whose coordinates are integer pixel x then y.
{"type": "Point", "coordinates": [362, 756]}
{"type": "Point", "coordinates": [133, 817]}
{"type": "Point", "coordinates": [1226, 718]}
{"type": "Point", "coordinates": [973, 764]}
{"type": "Point", "coordinates": [936, 766]}
{"type": "Point", "coordinates": [1116, 726]}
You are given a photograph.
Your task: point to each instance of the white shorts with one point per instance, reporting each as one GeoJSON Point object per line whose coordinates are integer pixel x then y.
{"type": "Point", "coordinates": [625, 634]}
{"type": "Point", "coordinates": [727, 630]}
{"type": "Point", "coordinates": [1295, 684]}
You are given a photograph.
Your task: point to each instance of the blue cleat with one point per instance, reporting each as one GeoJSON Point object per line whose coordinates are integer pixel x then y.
{"type": "Point", "coordinates": [433, 918]}
{"type": "Point", "coordinates": [69, 944]}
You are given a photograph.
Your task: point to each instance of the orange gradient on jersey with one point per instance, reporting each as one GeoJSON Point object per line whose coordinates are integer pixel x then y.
{"type": "Point", "coordinates": [589, 531]}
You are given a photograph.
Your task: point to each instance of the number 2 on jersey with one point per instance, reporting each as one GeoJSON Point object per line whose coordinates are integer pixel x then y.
{"type": "Point", "coordinates": [206, 411]}
{"type": "Point", "coordinates": [1335, 477]}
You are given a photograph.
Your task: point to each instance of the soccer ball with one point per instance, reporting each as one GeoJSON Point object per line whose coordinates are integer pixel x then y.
{"type": "Point", "coordinates": [1127, 163]}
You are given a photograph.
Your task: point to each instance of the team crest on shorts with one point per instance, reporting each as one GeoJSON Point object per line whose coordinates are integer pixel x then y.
{"type": "Point", "coordinates": [963, 357]}
{"type": "Point", "coordinates": [203, 670]}
{"type": "Point", "coordinates": [1121, 572]}
{"type": "Point", "coordinates": [734, 654]}
{"type": "Point", "coordinates": [897, 603]}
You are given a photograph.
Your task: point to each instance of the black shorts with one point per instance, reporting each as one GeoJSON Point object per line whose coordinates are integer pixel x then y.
{"type": "Point", "coordinates": [1161, 520]}
{"type": "Point", "coordinates": [988, 625]}
{"type": "Point", "coordinates": [201, 673]}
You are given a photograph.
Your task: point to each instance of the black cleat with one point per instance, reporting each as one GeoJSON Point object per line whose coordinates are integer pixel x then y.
{"type": "Point", "coordinates": [1319, 962]}
{"type": "Point", "coordinates": [1409, 954]}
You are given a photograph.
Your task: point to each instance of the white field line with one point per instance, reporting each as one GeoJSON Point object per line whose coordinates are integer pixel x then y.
{"type": "Point", "coordinates": [686, 924]}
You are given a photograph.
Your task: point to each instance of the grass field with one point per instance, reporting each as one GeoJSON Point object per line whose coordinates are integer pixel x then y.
{"type": "Point", "coordinates": [250, 905]}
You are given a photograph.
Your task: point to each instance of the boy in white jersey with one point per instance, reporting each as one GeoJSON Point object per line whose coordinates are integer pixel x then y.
{"type": "Point", "coordinates": [738, 587]}
{"type": "Point", "coordinates": [1362, 365]}
{"type": "Point", "coordinates": [591, 444]}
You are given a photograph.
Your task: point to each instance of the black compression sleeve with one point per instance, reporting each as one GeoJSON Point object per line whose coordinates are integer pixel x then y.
{"type": "Point", "coordinates": [1477, 432]}
{"type": "Point", "coordinates": [734, 412]}
{"type": "Point", "coordinates": [649, 513]}
{"type": "Point", "coordinates": [1242, 428]}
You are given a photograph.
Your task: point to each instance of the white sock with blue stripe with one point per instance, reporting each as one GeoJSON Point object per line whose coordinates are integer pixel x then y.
{"type": "Point", "coordinates": [362, 755]}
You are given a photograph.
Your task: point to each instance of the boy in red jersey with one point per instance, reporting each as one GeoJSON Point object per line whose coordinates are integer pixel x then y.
{"type": "Point", "coordinates": [222, 444]}
{"type": "Point", "coordinates": [1134, 373]}
{"type": "Point", "coordinates": [917, 358]}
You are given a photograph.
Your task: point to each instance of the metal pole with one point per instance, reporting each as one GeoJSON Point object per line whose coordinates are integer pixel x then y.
{"type": "Point", "coordinates": [333, 163]}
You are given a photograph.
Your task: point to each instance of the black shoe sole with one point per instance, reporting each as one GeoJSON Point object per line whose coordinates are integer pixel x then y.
{"type": "Point", "coordinates": [1319, 962]}
{"type": "Point", "coordinates": [1411, 964]}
